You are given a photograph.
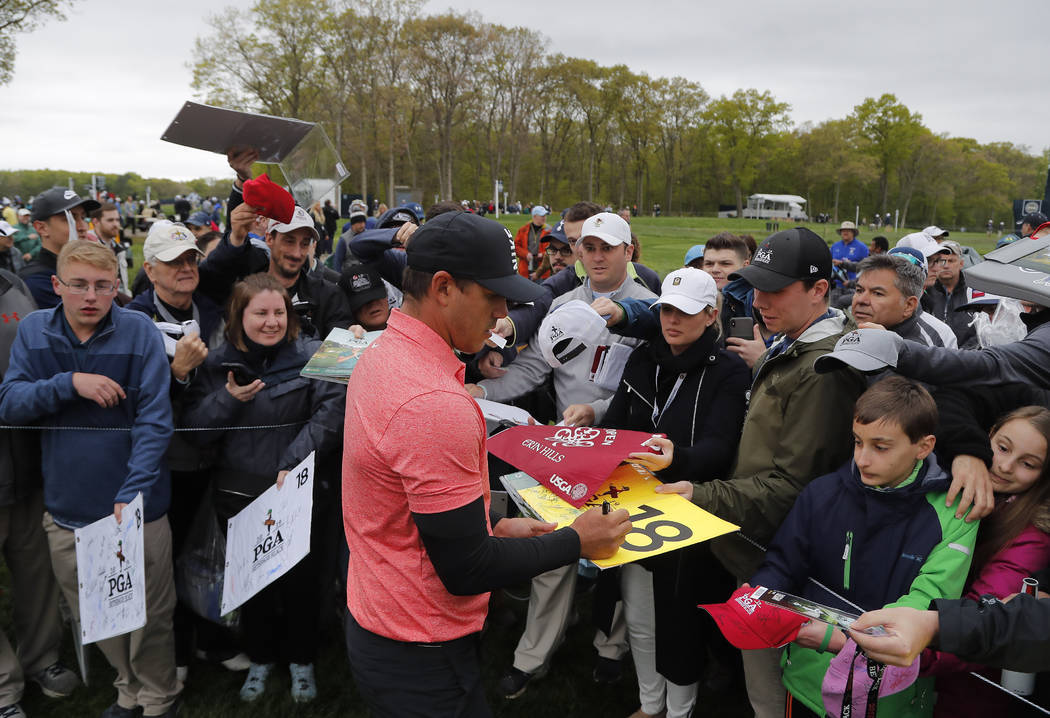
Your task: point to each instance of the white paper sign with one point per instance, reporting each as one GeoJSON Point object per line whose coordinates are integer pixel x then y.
{"type": "Point", "coordinates": [269, 536]}
{"type": "Point", "coordinates": [111, 575]}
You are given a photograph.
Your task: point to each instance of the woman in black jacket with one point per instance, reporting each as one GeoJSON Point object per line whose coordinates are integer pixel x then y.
{"type": "Point", "coordinates": [684, 386]}
{"type": "Point", "coordinates": [253, 380]}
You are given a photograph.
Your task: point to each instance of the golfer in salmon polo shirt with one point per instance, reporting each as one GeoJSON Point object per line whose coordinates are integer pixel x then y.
{"type": "Point", "coordinates": [424, 552]}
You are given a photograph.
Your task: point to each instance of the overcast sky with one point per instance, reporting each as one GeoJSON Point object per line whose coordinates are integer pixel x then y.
{"type": "Point", "coordinates": [96, 92]}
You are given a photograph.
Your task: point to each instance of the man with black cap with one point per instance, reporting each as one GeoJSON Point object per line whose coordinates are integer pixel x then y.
{"type": "Point", "coordinates": [59, 215]}
{"type": "Point", "coordinates": [1031, 222]}
{"type": "Point", "coordinates": [797, 427]}
{"type": "Point", "coordinates": [423, 551]}
{"type": "Point", "coordinates": [366, 293]}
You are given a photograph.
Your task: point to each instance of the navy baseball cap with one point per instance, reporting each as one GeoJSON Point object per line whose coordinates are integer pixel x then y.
{"type": "Point", "coordinates": [557, 234]}
{"type": "Point", "coordinates": [786, 257]}
{"type": "Point", "coordinates": [199, 219]}
{"type": "Point", "coordinates": [57, 200]}
{"type": "Point", "coordinates": [468, 246]}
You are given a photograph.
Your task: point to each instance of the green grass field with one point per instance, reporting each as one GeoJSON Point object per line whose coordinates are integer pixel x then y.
{"type": "Point", "coordinates": [567, 690]}
{"type": "Point", "coordinates": [665, 240]}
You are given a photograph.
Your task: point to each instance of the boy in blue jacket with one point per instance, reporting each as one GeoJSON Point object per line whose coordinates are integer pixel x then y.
{"type": "Point", "coordinates": [87, 363]}
{"type": "Point", "coordinates": [877, 533]}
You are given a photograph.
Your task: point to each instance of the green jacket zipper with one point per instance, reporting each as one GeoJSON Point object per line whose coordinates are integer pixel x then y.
{"type": "Point", "coordinates": [847, 555]}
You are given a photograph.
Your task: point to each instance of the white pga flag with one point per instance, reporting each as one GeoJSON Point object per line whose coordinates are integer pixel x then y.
{"type": "Point", "coordinates": [269, 536]}
{"type": "Point", "coordinates": [111, 575]}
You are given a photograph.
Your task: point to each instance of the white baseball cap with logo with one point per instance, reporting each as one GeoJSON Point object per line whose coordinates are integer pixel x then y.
{"type": "Point", "coordinates": [688, 289]}
{"type": "Point", "coordinates": [168, 240]}
{"type": "Point", "coordinates": [567, 330]}
{"type": "Point", "coordinates": [922, 242]}
{"type": "Point", "coordinates": [608, 227]}
{"type": "Point", "coordinates": [300, 218]}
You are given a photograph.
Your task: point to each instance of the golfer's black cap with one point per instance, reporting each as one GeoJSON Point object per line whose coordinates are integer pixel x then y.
{"type": "Point", "coordinates": [787, 257]}
{"type": "Point", "coordinates": [57, 200]}
{"type": "Point", "coordinates": [471, 247]}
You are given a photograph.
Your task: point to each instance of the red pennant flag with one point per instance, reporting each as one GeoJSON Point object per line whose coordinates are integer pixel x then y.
{"type": "Point", "coordinates": [572, 461]}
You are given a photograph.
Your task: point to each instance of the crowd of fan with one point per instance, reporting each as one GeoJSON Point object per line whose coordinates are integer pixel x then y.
{"type": "Point", "coordinates": [229, 306]}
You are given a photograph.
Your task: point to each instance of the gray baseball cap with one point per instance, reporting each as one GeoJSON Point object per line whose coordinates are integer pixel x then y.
{"type": "Point", "coordinates": [863, 349]}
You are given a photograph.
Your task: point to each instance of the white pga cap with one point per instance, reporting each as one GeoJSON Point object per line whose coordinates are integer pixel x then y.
{"type": "Point", "coordinates": [168, 240]}
{"type": "Point", "coordinates": [6, 230]}
{"type": "Point", "coordinates": [922, 242]}
{"type": "Point", "coordinates": [567, 330]}
{"type": "Point", "coordinates": [608, 227]}
{"type": "Point", "coordinates": [300, 218]}
{"type": "Point", "coordinates": [935, 231]}
{"type": "Point", "coordinates": [688, 289]}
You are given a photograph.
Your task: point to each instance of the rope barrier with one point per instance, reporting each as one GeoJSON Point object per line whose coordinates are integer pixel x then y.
{"type": "Point", "coordinates": [255, 427]}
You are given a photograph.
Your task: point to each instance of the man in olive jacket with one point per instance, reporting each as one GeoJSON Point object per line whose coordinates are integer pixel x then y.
{"type": "Point", "coordinates": [798, 425]}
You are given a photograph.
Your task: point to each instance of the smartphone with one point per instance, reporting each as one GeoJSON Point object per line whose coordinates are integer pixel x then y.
{"type": "Point", "coordinates": [742, 327]}
{"type": "Point", "coordinates": [242, 375]}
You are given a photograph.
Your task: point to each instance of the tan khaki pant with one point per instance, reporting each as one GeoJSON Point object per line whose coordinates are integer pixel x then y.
{"type": "Point", "coordinates": [144, 659]}
{"type": "Point", "coordinates": [550, 605]}
{"type": "Point", "coordinates": [34, 604]}
{"type": "Point", "coordinates": [762, 677]}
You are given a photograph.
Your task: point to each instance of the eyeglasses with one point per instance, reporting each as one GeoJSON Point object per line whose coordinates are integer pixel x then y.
{"type": "Point", "coordinates": [77, 286]}
{"type": "Point", "coordinates": [563, 251]}
{"type": "Point", "coordinates": [942, 261]}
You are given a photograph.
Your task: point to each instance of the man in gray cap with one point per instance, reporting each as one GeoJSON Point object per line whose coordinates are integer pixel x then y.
{"type": "Point", "coordinates": [949, 293]}
{"type": "Point", "coordinates": [59, 215]}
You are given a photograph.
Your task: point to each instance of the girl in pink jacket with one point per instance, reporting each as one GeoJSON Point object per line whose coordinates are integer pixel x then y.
{"type": "Point", "coordinates": [1013, 544]}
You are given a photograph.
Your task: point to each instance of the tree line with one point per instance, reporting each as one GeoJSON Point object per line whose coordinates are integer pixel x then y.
{"type": "Point", "coordinates": [449, 103]}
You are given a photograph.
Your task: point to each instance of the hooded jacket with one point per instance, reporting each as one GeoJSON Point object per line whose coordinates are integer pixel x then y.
{"type": "Point", "coordinates": [86, 472]}
{"type": "Point", "coordinates": [876, 548]}
{"type": "Point", "coordinates": [798, 427]}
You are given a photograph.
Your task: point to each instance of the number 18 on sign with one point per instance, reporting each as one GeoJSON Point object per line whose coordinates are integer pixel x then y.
{"type": "Point", "coordinates": [269, 536]}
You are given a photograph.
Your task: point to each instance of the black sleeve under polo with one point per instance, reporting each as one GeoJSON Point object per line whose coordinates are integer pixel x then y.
{"type": "Point", "coordinates": [469, 561]}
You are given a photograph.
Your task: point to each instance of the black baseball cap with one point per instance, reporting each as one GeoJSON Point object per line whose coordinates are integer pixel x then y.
{"type": "Point", "coordinates": [468, 246]}
{"type": "Point", "coordinates": [1033, 220]}
{"type": "Point", "coordinates": [57, 200]}
{"type": "Point", "coordinates": [362, 284]}
{"type": "Point", "coordinates": [787, 257]}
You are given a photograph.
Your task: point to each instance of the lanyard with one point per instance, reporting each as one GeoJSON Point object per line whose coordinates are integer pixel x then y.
{"type": "Point", "coordinates": [875, 671]}
{"type": "Point", "coordinates": [657, 411]}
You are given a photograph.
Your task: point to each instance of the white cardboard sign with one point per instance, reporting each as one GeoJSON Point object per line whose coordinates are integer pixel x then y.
{"type": "Point", "coordinates": [111, 575]}
{"type": "Point", "coordinates": [269, 536]}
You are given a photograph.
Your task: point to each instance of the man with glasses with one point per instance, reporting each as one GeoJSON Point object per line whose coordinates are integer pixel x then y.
{"type": "Point", "coordinates": [87, 363]}
{"type": "Point", "coordinates": [59, 215]}
{"type": "Point", "coordinates": [949, 293]}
